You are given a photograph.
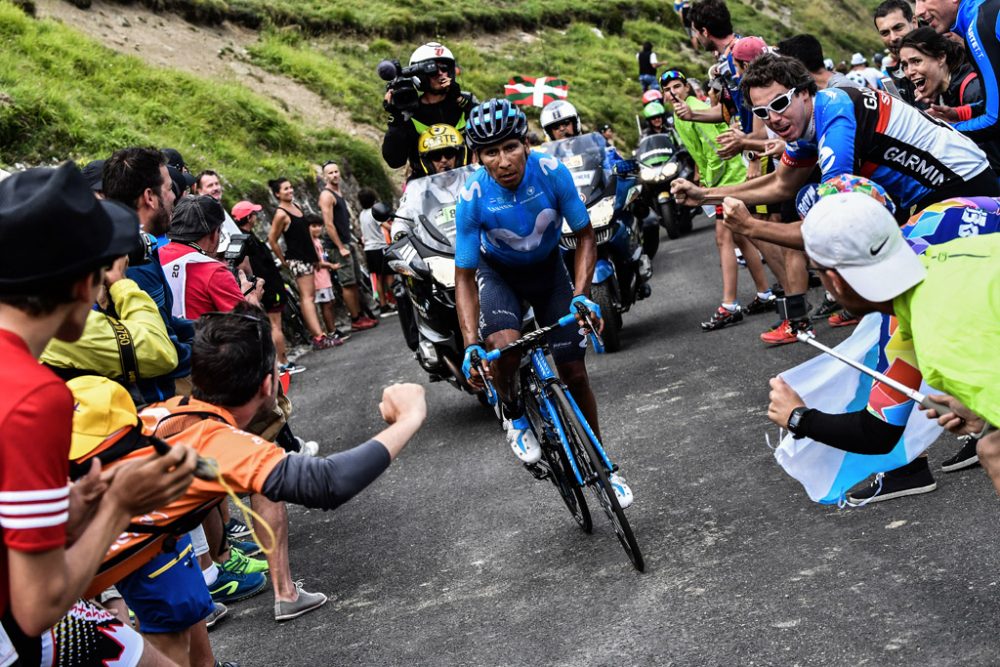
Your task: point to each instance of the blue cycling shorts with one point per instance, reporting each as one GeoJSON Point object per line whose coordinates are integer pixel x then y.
{"type": "Point", "coordinates": [168, 594]}
{"type": "Point", "coordinates": [546, 287]}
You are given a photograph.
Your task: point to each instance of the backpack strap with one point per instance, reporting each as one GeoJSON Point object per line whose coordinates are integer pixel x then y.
{"type": "Point", "coordinates": [965, 82]}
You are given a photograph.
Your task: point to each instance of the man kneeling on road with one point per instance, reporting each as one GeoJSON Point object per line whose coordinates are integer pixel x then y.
{"type": "Point", "coordinates": [947, 312]}
{"type": "Point", "coordinates": [235, 378]}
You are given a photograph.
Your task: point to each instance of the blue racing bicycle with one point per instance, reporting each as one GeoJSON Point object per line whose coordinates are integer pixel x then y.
{"type": "Point", "coordinates": [572, 456]}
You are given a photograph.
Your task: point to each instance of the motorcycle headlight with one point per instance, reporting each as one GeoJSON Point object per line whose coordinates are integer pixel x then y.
{"type": "Point", "coordinates": [668, 171]}
{"type": "Point", "coordinates": [602, 212]}
{"type": "Point", "coordinates": [648, 173]}
{"type": "Point", "coordinates": [442, 269]}
{"type": "Point", "coordinates": [401, 267]}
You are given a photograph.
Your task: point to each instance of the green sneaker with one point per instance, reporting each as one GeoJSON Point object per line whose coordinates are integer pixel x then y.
{"type": "Point", "coordinates": [240, 563]}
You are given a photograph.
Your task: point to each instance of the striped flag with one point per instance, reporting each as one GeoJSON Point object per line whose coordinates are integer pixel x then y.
{"type": "Point", "coordinates": [536, 92]}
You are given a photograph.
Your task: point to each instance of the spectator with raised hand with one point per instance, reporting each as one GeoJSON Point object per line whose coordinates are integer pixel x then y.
{"type": "Point", "coordinates": [299, 255]}
{"type": "Point", "coordinates": [262, 264]}
{"type": "Point", "coordinates": [337, 220]}
{"type": "Point", "coordinates": [54, 534]}
{"type": "Point", "coordinates": [139, 178]}
{"type": "Point", "coordinates": [198, 281]}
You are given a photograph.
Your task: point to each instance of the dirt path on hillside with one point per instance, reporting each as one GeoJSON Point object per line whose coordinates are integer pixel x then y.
{"type": "Point", "coordinates": [216, 52]}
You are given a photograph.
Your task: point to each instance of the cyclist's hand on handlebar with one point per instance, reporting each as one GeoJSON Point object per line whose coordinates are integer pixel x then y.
{"type": "Point", "coordinates": [473, 371]}
{"type": "Point", "coordinates": [595, 312]}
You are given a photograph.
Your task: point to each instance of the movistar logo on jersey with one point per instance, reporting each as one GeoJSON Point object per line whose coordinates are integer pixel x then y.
{"type": "Point", "coordinates": [915, 164]}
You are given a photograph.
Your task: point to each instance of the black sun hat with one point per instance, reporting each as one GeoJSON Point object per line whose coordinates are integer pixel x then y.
{"type": "Point", "coordinates": [53, 229]}
{"type": "Point", "coordinates": [195, 217]}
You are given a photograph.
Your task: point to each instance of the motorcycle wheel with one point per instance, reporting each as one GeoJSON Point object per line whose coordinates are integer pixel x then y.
{"type": "Point", "coordinates": [668, 218]}
{"type": "Point", "coordinates": [686, 220]}
{"type": "Point", "coordinates": [601, 294]}
{"type": "Point", "coordinates": [650, 240]}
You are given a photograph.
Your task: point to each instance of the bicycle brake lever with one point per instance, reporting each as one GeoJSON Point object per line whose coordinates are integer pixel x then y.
{"type": "Point", "coordinates": [491, 394]}
{"type": "Point", "coordinates": [595, 337]}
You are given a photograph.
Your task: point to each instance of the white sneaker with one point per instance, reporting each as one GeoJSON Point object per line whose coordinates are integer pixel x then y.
{"type": "Point", "coordinates": [307, 447]}
{"type": "Point", "coordinates": [622, 490]}
{"type": "Point", "coordinates": [522, 440]}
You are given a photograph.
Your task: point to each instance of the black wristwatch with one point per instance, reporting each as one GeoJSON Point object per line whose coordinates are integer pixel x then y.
{"type": "Point", "coordinates": [795, 418]}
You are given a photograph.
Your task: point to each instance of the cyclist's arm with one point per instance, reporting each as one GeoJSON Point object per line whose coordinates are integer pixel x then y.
{"type": "Point", "coordinates": [466, 262]}
{"type": "Point", "coordinates": [575, 213]}
{"type": "Point", "coordinates": [467, 304]}
{"type": "Point", "coordinates": [584, 260]}
{"type": "Point", "coordinates": [278, 225]}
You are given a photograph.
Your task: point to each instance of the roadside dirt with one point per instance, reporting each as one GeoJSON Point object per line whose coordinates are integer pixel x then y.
{"type": "Point", "coordinates": [212, 52]}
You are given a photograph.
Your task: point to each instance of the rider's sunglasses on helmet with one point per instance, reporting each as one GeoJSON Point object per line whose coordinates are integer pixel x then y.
{"type": "Point", "coordinates": [443, 154]}
{"type": "Point", "coordinates": [778, 105]}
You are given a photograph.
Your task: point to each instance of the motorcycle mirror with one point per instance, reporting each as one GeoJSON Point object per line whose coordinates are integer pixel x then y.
{"type": "Point", "coordinates": [381, 212]}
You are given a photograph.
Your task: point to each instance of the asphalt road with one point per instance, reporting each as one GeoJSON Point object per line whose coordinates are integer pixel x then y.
{"type": "Point", "coordinates": [456, 556]}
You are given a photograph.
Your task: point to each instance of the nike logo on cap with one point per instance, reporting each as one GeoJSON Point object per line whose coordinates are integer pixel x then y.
{"type": "Point", "coordinates": [874, 249]}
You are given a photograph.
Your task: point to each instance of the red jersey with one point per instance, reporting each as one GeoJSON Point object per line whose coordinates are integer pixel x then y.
{"type": "Point", "coordinates": [199, 283]}
{"type": "Point", "coordinates": [36, 426]}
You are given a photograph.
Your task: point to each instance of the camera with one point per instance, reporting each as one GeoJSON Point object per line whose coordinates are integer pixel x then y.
{"type": "Point", "coordinates": [236, 252]}
{"type": "Point", "coordinates": [405, 82]}
{"type": "Point", "coordinates": [143, 253]}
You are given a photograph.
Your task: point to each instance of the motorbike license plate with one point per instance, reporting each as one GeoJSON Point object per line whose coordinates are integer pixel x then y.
{"type": "Point", "coordinates": [582, 178]}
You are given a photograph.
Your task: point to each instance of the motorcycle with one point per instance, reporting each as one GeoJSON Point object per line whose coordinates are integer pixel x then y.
{"type": "Point", "coordinates": [423, 255]}
{"type": "Point", "coordinates": [622, 272]}
{"type": "Point", "coordinates": [662, 159]}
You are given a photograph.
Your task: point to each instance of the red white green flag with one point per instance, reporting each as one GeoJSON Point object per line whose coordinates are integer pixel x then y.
{"type": "Point", "coordinates": [536, 92]}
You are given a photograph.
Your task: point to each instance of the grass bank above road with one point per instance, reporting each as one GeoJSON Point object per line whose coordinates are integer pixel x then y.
{"type": "Point", "coordinates": [63, 95]}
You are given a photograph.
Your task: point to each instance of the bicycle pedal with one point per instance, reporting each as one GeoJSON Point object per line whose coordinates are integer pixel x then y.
{"type": "Point", "coordinates": [537, 471]}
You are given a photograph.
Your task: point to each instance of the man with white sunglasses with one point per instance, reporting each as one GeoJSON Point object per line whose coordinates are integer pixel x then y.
{"type": "Point", "coordinates": [917, 159]}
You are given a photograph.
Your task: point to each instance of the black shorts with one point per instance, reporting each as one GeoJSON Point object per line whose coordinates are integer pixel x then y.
{"type": "Point", "coordinates": [375, 259]}
{"type": "Point", "coordinates": [273, 300]}
{"type": "Point", "coordinates": [546, 286]}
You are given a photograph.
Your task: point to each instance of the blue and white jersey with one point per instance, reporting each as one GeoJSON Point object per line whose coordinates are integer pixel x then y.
{"type": "Point", "coordinates": [517, 227]}
{"type": "Point", "coordinates": [978, 22]}
{"type": "Point", "coordinates": [869, 133]}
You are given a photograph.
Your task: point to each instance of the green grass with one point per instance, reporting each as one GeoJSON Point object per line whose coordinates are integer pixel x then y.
{"type": "Point", "coordinates": [66, 96]}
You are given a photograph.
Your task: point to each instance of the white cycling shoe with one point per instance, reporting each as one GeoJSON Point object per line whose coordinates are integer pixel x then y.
{"type": "Point", "coordinates": [622, 490]}
{"type": "Point", "coordinates": [522, 440]}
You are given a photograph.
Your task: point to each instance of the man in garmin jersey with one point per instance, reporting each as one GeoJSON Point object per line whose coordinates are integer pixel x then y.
{"type": "Point", "coordinates": [441, 101]}
{"type": "Point", "coordinates": [509, 220]}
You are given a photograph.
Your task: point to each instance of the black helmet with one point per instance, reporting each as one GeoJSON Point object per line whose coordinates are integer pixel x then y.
{"type": "Point", "coordinates": [494, 121]}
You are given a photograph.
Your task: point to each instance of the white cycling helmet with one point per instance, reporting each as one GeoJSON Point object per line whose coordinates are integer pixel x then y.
{"type": "Point", "coordinates": [557, 112]}
{"type": "Point", "coordinates": [432, 51]}
{"type": "Point", "coordinates": [858, 78]}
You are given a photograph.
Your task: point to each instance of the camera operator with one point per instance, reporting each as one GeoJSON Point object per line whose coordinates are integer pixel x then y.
{"type": "Point", "coordinates": [423, 94]}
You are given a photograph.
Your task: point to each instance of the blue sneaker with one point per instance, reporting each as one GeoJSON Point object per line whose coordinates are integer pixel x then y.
{"type": "Point", "coordinates": [522, 440]}
{"type": "Point", "coordinates": [246, 548]}
{"type": "Point", "coordinates": [230, 587]}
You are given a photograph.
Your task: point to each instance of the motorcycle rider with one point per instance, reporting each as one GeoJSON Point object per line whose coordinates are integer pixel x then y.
{"type": "Point", "coordinates": [656, 120]}
{"type": "Point", "coordinates": [441, 101]}
{"type": "Point", "coordinates": [506, 251]}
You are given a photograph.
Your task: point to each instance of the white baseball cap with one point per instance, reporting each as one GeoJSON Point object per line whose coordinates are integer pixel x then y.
{"type": "Point", "coordinates": [855, 234]}
{"type": "Point", "coordinates": [858, 59]}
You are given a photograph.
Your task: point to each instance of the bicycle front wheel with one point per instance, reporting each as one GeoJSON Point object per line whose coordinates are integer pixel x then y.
{"type": "Point", "coordinates": [595, 474]}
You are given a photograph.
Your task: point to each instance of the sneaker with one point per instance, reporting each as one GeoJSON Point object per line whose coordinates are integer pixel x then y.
{"type": "Point", "coordinates": [335, 339]}
{"type": "Point", "coordinates": [910, 480]}
{"type": "Point", "coordinates": [843, 319]}
{"type": "Point", "coordinates": [240, 563]}
{"type": "Point", "coordinates": [522, 439]}
{"type": "Point", "coordinates": [786, 332]}
{"type": "Point", "coordinates": [622, 490]}
{"type": "Point", "coordinates": [388, 310]}
{"type": "Point", "coordinates": [285, 610]}
{"type": "Point", "coordinates": [722, 317]}
{"type": "Point", "coordinates": [226, 664]}
{"type": "Point", "coordinates": [236, 529]}
{"type": "Point", "coordinates": [759, 305]}
{"type": "Point", "coordinates": [230, 587]}
{"type": "Point", "coordinates": [306, 447]}
{"type": "Point", "coordinates": [321, 343]}
{"type": "Point", "coordinates": [825, 309]}
{"type": "Point", "coordinates": [217, 614]}
{"type": "Point", "coordinates": [363, 323]}
{"type": "Point", "coordinates": [248, 549]}
{"type": "Point", "coordinates": [342, 335]}
{"type": "Point", "coordinates": [291, 368]}
{"type": "Point", "coordinates": [965, 457]}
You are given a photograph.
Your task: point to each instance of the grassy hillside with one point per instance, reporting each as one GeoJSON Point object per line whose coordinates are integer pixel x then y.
{"type": "Point", "coordinates": [64, 95]}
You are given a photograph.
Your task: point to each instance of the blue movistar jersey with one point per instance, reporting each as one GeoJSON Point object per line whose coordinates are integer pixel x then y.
{"type": "Point", "coordinates": [517, 227]}
{"type": "Point", "coordinates": [978, 22]}
{"type": "Point", "coordinates": [872, 134]}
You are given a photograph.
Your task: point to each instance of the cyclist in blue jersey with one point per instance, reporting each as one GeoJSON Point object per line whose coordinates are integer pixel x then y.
{"type": "Point", "coordinates": [917, 159]}
{"type": "Point", "coordinates": [977, 21]}
{"type": "Point", "coordinates": [508, 225]}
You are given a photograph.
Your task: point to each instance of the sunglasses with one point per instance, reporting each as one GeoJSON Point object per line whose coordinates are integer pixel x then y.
{"type": "Point", "coordinates": [672, 75]}
{"type": "Point", "coordinates": [778, 105]}
{"type": "Point", "coordinates": [443, 154]}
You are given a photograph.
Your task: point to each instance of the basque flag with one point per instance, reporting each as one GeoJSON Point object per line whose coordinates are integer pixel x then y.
{"type": "Point", "coordinates": [536, 92]}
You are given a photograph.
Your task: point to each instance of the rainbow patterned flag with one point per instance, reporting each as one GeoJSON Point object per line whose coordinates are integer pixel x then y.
{"type": "Point", "coordinates": [538, 92]}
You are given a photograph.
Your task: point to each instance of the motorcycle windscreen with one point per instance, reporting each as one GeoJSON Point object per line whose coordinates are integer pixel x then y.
{"type": "Point", "coordinates": [655, 149]}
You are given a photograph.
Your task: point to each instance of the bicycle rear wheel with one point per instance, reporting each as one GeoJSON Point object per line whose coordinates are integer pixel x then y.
{"type": "Point", "coordinates": [595, 474]}
{"type": "Point", "coordinates": [560, 472]}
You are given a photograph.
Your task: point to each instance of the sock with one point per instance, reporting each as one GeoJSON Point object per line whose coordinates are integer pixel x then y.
{"type": "Point", "coordinates": [513, 410]}
{"type": "Point", "coordinates": [731, 307]}
{"type": "Point", "coordinates": [764, 296]}
{"type": "Point", "coordinates": [211, 574]}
